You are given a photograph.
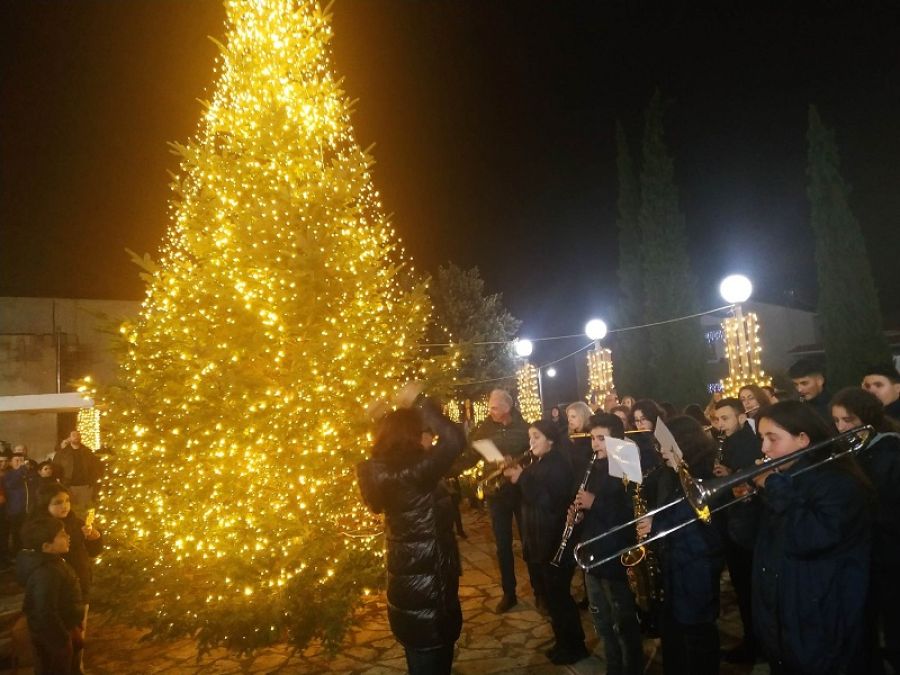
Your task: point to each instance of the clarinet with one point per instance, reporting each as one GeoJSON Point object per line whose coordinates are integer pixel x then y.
{"type": "Point", "coordinates": [579, 516]}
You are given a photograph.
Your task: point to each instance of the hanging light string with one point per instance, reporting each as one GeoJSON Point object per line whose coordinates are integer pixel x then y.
{"type": "Point", "coordinates": [577, 335]}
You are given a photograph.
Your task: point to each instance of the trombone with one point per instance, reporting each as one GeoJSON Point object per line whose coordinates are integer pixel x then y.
{"type": "Point", "coordinates": [700, 493]}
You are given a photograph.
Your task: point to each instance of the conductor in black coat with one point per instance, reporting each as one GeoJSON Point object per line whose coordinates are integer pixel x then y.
{"type": "Point", "coordinates": [546, 486]}
{"type": "Point", "coordinates": [403, 481]}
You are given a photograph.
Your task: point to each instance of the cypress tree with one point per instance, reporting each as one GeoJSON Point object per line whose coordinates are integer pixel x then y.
{"type": "Point", "coordinates": [630, 353]}
{"type": "Point", "coordinates": [676, 362]}
{"type": "Point", "coordinates": [848, 300]}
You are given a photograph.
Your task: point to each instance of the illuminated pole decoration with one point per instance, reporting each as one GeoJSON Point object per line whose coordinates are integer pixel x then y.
{"type": "Point", "coordinates": [87, 421]}
{"type": "Point", "coordinates": [599, 360]}
{"type": "Point", "coordinates": [741, 331]}
{"type": "Point", "coordinates": [528, 383]}
{"type": "Point", "coordinates": [281, 306]}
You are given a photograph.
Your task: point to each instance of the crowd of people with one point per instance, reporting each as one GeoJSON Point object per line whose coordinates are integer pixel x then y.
{"type": "Point", "coordinates": [47, 533]}
{"type": "Point", "coordinates": [808, 546]}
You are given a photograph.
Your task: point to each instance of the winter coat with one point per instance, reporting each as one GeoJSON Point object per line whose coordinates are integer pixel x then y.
{"type": "Point", "coordinates": [70, 461]}
{"type": "Point", "coordinates": [612, 506]}
{"type": "Point", "coordinates": [880, 461]}
{"type": "Point", "coordinates": [821, 405]}
{"type": "Point", "coordinates": [741, 521]}
{"type": "Point", "coordinates": [546, 495]}
{"type": "Point", "coordinates": [53, 604]}
{"type": "Point", "coordinates": [423, 566]}
{"type": "Point", "coordinates": [20, 487]}
{"type": "Point", "coordinates": [893, 410]}
{"type": "Point", "coordinates": [811, 569]}
{"type": "Point", "coordinates": [691, 559]}
{"type": "Point", "coordinates": [579, 453]}
{"type": "Point", "coordinates": [81, 551]}
{"type": "Point", "coordinates": [510, 439]}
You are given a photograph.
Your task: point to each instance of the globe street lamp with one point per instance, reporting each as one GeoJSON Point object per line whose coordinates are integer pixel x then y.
{"type": "Point", "coordinates": [523, 348]}
{"type": "Point", "coordinates": [735, 289]}
{"type": "Point", "coordinates": [551, 372]}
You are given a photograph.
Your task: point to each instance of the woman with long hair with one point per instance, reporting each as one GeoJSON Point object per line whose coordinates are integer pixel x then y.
{"type": "Point", "coordinates": [691, 560]}
{"type": "Point", "coordinates": [753, 399]}
{"type": "Point", "coordinates": [546, 486]}
{"type": "Point", "coordinates": [811, 560]}
{"type": "Point", "coordinates": [880, 461]}
{"type": "Point", "coordinates": [402, 480]}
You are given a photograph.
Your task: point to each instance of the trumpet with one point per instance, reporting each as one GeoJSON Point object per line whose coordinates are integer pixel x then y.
{"type": "Point", "coordinates": [489, 485]}
{"type": "Point", "coordinates": [700, 493]}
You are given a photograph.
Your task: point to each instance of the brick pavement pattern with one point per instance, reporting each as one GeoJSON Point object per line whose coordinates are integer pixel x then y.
{"type": "Point", "coordinates": [513, 642]}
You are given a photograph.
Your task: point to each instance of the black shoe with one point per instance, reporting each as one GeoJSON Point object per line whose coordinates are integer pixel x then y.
{"type": "Point", "coordinates": [740, 654]}
{"type": "Point", "coordinates": [584, 603]}
{"type": "Point", "coordinates": [566, 657]}
{"type": "Point", "coordinates": [506, 603]}
{"type": "Point", "coordinates": [540, 604]}
{"type": "Point", "coordinates": [462, 534]}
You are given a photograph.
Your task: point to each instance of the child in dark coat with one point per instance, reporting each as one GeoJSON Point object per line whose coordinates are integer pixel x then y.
{"type": "Point", "coordinates": [53, 603]}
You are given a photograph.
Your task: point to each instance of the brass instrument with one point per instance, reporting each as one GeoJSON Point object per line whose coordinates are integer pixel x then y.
{"type": "Point", "coordinates": [489, 485]}
{"type": "Point", "coordinates": [579, 516]}
{"type": "Point", "coordinates": [700, 493]}
{"type": "Point", "coordinates": [641, 566]}
{"type": "Point", "coordinates": [580, 434]}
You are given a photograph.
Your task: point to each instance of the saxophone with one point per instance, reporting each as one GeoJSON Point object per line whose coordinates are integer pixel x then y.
{"type": "Point", "coordinates": [642, 568]}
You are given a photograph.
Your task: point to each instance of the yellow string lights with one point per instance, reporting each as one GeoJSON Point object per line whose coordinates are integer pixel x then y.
{"type": "Point", "coordinates": [600, 373]}
{"type": "Point", "coordinates": [743, 351]}
{"type": "Point", "coordinates": [279, 309]}
{"type": "Point", "coordinates": [529, 393]}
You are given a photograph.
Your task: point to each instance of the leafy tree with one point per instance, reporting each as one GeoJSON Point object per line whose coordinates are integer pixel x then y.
{"type": "Point", "coordinates": [464, 314]}
{"type": "Point", "coordinates": [676, 361]}
{"type": "Point", "coordinates": [848, 300]}
{"type": "Point", "coordinates": [630, 352]}
{"type": "Point", "coordinates": [278, 310]}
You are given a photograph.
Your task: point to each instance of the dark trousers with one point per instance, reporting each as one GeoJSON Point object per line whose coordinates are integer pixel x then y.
{"type": "Point", "coordinates": [564, 617]}
{"type": "Point", "coordinates": [4, 534]}
{"type": "Point", "coordinates": [615, 620]}
{"type": "Point", "coordinates": [433, 661]}
{"type": "Point", "coordinates": [457, 516]}
{"type": "Point", "coordinates": [689, 648]}
{"type": "Point", "coordinates": [740, 569]}
{"type": "Point", "coordinates": [503, 510]}
{"type": "Point", "coordinates": [58, 660]}
{"type": "Point", "coordinates": [884, 620]}
{"type": "Point", "coordinates": [15, 520]}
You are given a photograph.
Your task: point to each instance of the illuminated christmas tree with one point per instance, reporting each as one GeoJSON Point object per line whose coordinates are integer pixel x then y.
{"type": "Point", "coordinates": [279, 309]}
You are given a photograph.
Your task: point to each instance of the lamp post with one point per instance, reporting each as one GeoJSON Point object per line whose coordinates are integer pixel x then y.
{"type": "Point", "coordinates": [599, 360]}
{"type": "Point", "coordinates": [741, 340]}
{"type": "Point", "coordinates": [528, 379]}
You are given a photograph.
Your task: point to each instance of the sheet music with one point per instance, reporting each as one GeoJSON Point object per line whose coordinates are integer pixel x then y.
{"type": "Point", "coordinates": [624, 459]}
{"type": "Point", "coordinates": [667, 440]}
{"type": "Point", "coordinates": [488, 450]}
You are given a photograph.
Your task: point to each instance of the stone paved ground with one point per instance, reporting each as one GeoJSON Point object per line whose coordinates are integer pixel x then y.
{"type": "Point", "coordinates": [509, 643]}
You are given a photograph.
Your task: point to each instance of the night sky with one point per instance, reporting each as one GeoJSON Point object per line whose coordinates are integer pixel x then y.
{"type": "Point", "coordinates": [493, 126]}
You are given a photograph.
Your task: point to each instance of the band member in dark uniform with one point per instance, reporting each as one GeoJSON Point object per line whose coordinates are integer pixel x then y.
{"type": "Point", "coordinates": [546, 486]}
{"type": "Point", "coordinates": [691, 560]}
{"type": "Point", "coordinates": [740, 449]}
{"type": "Point", "coordinates": [606, 504]}
{"type": "Point", "coordinates": [811, 561]}
{"type": "Point", "coordinates": [880, 461]}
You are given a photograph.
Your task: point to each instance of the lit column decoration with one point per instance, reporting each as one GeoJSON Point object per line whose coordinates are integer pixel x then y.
{"type": "Point", "coordinates": [88, 425]}
{"type": "Point", "coordinates": [529, 396]}
{"type": "Point", "coordinates": [600, 373]}
{"type": "Point", "coordinates": [742, 347]}
{"type": "Point", "coordinates": [478, 411]}
{"type": "Point", "coordinates": [600, 367]}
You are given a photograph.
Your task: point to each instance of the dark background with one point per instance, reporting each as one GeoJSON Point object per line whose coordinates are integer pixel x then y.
{"type": "Point", "coordinates": [494, 131]}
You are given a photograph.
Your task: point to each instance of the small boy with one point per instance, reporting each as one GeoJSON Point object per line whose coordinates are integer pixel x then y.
{"type": "Point", "coordinates": [53, 603]}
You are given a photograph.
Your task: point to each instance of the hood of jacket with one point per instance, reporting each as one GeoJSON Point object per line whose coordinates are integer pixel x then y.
{"type": "Point", "coordinates": [27, 561]}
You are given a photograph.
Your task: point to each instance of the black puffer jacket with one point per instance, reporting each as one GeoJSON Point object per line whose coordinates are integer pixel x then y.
{"type": "Point", "coordinates": [423, 565]}
{"type": "Point", "coordinates": [546, 495]}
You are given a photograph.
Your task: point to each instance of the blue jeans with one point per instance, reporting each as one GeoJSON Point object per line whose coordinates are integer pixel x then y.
{"type": "Point", "coordinates": [432, 661]}
{"type": "Point", "coordinates": [503, 510]}
{"type": "Point", "coordinates": [615, 620]}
